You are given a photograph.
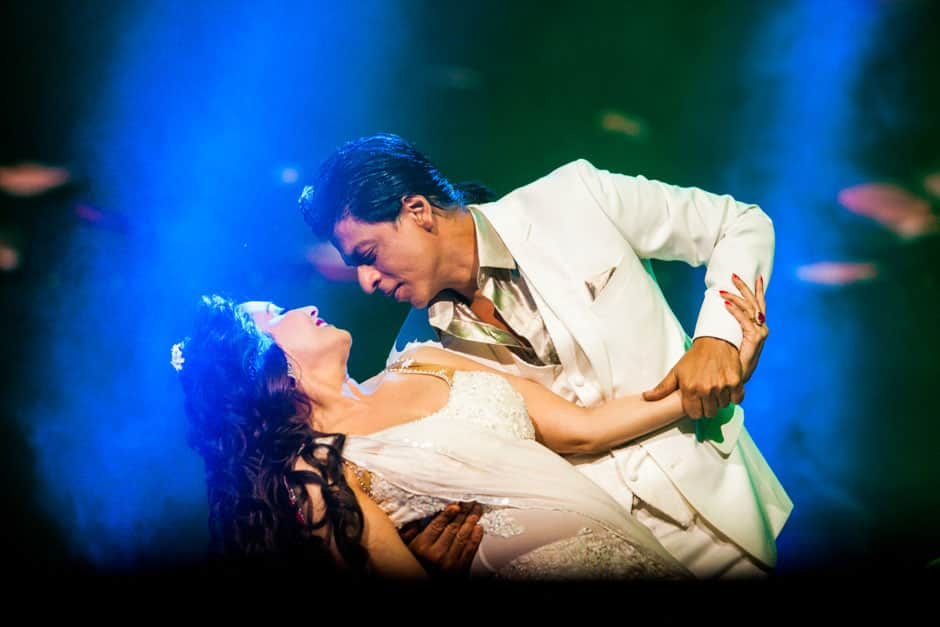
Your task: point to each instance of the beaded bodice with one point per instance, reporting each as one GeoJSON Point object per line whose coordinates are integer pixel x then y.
{"type": "Point", "coordinates": [551, 537]}
{"type": "Point", "coordinates": [482, 399]}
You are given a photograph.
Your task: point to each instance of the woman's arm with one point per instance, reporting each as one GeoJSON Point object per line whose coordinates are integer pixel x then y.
{"type": "Point", "coordinates": [388, 555]}
{"type": "Point", "coordinates": [568, 428]}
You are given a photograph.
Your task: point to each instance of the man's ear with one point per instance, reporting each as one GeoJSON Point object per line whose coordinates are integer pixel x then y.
{"type": "Point", "coordinates": [418, 208]}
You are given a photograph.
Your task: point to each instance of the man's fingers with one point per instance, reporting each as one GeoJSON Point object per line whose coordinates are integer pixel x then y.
{"type": "Point", "coordinates": [709, 405]}
{"type": "Point", "coordinates": [440, 522]}
{"type": "Point", "coordinates": [464, 522]}
{"type": "Point", "coordinates": [448, 544]}
{"type": "Point", "coordinates": [470, 548]}
{"type": "Point", "coordinates": [466, 528]}
{"type": "Point", "coordinates": [692, 406]}
{"type": "Point", "coordinates": [665, 387]}
{"type": "Point", "coordinates": [409, 533]}
{"type": "Point", "coordinates": [455, 545]}
{"type": "Point", "coordinates": [724, 397]}
{"type": "Point", "coordinates": [462, 536]}
{"type": "Point", "coordinates": [737, 395]}
{"type": "Point", "coordinates": [447, 535]}
{"type": "Point", "coordinates": [476, 510]}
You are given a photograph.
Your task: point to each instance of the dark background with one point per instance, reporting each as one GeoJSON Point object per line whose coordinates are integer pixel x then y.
{"type": "Point", "coordinates": [188, 130]}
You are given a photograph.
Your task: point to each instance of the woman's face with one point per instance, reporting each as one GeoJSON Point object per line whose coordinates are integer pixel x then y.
{"type": "Point", "coordinates": [315, 347]}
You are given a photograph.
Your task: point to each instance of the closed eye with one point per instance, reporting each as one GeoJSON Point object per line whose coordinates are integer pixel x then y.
{"type": "Point", "coordinates": [274, 311]}
{"type": "Point", "coordinates": [364, 259]}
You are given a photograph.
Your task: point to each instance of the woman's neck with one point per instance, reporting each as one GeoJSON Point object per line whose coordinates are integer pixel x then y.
{"type": "Point", "coordinates": [335, 408]}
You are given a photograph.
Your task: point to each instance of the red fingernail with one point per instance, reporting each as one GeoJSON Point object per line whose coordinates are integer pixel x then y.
{"type": "Point", "coordinates": [722, 292]}
{"type": "Point", "coordinates": [736, 276]}
{"type": "Point", "coordinates": [761, 316]}
{"type": "Point", "coordinates": [760, 279]}
{"type": "Point", "coordinates": [727, 303]}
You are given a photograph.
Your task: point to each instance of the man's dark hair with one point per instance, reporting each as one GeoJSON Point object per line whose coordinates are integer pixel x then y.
{"type": "Point", "coordinates": [367, 177]}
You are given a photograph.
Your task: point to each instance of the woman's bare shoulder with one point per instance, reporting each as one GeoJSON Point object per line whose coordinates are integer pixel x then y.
{"type": "Point", "coordinates": [440, 356]}
{"type": "Point", "coordinates": [399, 398]}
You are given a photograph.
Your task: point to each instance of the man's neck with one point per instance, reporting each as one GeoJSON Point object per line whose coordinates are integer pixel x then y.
{"type": "Point", "coordinates": [462, 257]}
{"type": "Point", "coordinates": [486, 312]}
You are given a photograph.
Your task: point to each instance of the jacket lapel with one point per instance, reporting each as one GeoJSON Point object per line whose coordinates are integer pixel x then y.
{"type": "Point", "coordinates": [565, 296]}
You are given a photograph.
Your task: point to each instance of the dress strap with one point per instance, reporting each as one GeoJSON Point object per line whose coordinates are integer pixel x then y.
{"type": "Point", "coordinates": [362, 475]}
{"type": "Point", "coordinates": [411, 366]}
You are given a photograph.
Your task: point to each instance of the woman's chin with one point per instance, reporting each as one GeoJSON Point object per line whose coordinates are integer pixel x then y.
{"type": "Point", "coordinates": [346, 344]}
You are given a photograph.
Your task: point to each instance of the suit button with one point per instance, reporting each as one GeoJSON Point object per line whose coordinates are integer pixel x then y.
{"type": "Point", "coordinates": [634, 477]}
{"type": "Point", "coordinates": [577, 380]}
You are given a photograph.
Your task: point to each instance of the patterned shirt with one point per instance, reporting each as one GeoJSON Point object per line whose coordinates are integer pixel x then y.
{"type": "Point", "coordinates": [499, 280]}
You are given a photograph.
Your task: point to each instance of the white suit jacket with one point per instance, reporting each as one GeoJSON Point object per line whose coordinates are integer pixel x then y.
{"type": "Point", "coordinates": [576, 224]}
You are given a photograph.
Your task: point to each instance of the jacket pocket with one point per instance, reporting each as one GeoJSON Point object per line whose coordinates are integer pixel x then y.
{"type": "Point", "coordinates": [597, 283]}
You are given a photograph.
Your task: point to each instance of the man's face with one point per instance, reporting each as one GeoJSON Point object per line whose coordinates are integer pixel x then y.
{"type": "Point", "coordinates": [399, 258]}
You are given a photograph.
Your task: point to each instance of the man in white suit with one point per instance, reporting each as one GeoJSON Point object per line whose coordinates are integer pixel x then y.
{"type": "Point", "coordinates": [552, 282]}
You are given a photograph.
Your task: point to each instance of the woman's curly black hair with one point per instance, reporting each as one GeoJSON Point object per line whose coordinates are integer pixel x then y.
{"type": "Point", "coordinates": [249, 424]}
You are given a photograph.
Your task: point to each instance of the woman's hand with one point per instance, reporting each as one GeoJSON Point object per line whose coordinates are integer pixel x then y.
{"type": "Point", "coordinates": [750, 311]}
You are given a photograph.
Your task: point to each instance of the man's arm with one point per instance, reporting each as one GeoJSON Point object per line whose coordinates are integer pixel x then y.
{"type": "Point", "coordinates": [678, 223]}
{"type": "Point", "coordinates": [688, 224]}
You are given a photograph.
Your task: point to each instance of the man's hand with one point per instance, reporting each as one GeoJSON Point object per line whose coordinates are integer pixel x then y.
{"type": "Point", "coordinates": [447, 545]}
{"type": "Point", "coordinates": [709, 376]}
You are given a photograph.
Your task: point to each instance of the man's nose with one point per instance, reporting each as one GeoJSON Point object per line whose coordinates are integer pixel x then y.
{"type": "Point", "coordinates": [369, 278]}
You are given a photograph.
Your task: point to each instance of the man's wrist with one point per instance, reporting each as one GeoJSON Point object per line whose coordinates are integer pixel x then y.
{"type": "Point", "coordinates": [714, 320]}
{"type": "Point", "coordinates": [708, 339]}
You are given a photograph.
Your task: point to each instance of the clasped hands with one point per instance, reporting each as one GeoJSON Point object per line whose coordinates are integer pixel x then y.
{"type": "Point", "coordinates": [712, 373]}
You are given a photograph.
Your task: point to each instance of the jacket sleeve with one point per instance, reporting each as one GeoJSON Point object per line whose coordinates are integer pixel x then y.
{"type": "Point", "coordinates": [668, 222]}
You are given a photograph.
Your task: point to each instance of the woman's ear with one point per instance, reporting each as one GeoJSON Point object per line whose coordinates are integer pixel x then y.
{"type": "Point", "coordinates": [291, 373]}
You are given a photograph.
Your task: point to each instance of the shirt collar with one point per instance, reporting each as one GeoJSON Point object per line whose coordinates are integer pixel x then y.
{"type": "Point", "coordinates": [491, 251]}
{"type": "Point", "coordinates": [492, 254]}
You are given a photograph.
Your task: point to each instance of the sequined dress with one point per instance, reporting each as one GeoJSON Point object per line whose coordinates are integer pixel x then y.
{"type": "Point", "coordinates": [543, 519]}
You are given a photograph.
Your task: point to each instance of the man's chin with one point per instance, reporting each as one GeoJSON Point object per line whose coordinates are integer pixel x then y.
{"type": "Point", "coordinates": [417, 302]}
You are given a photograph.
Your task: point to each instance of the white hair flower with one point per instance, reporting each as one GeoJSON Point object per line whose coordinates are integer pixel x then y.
{"type": "Point", "coordinates": [176, 356]}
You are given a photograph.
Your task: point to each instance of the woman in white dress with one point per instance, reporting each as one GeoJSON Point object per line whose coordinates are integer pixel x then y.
{"type": "Point", "coordinates": [308, 468]}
